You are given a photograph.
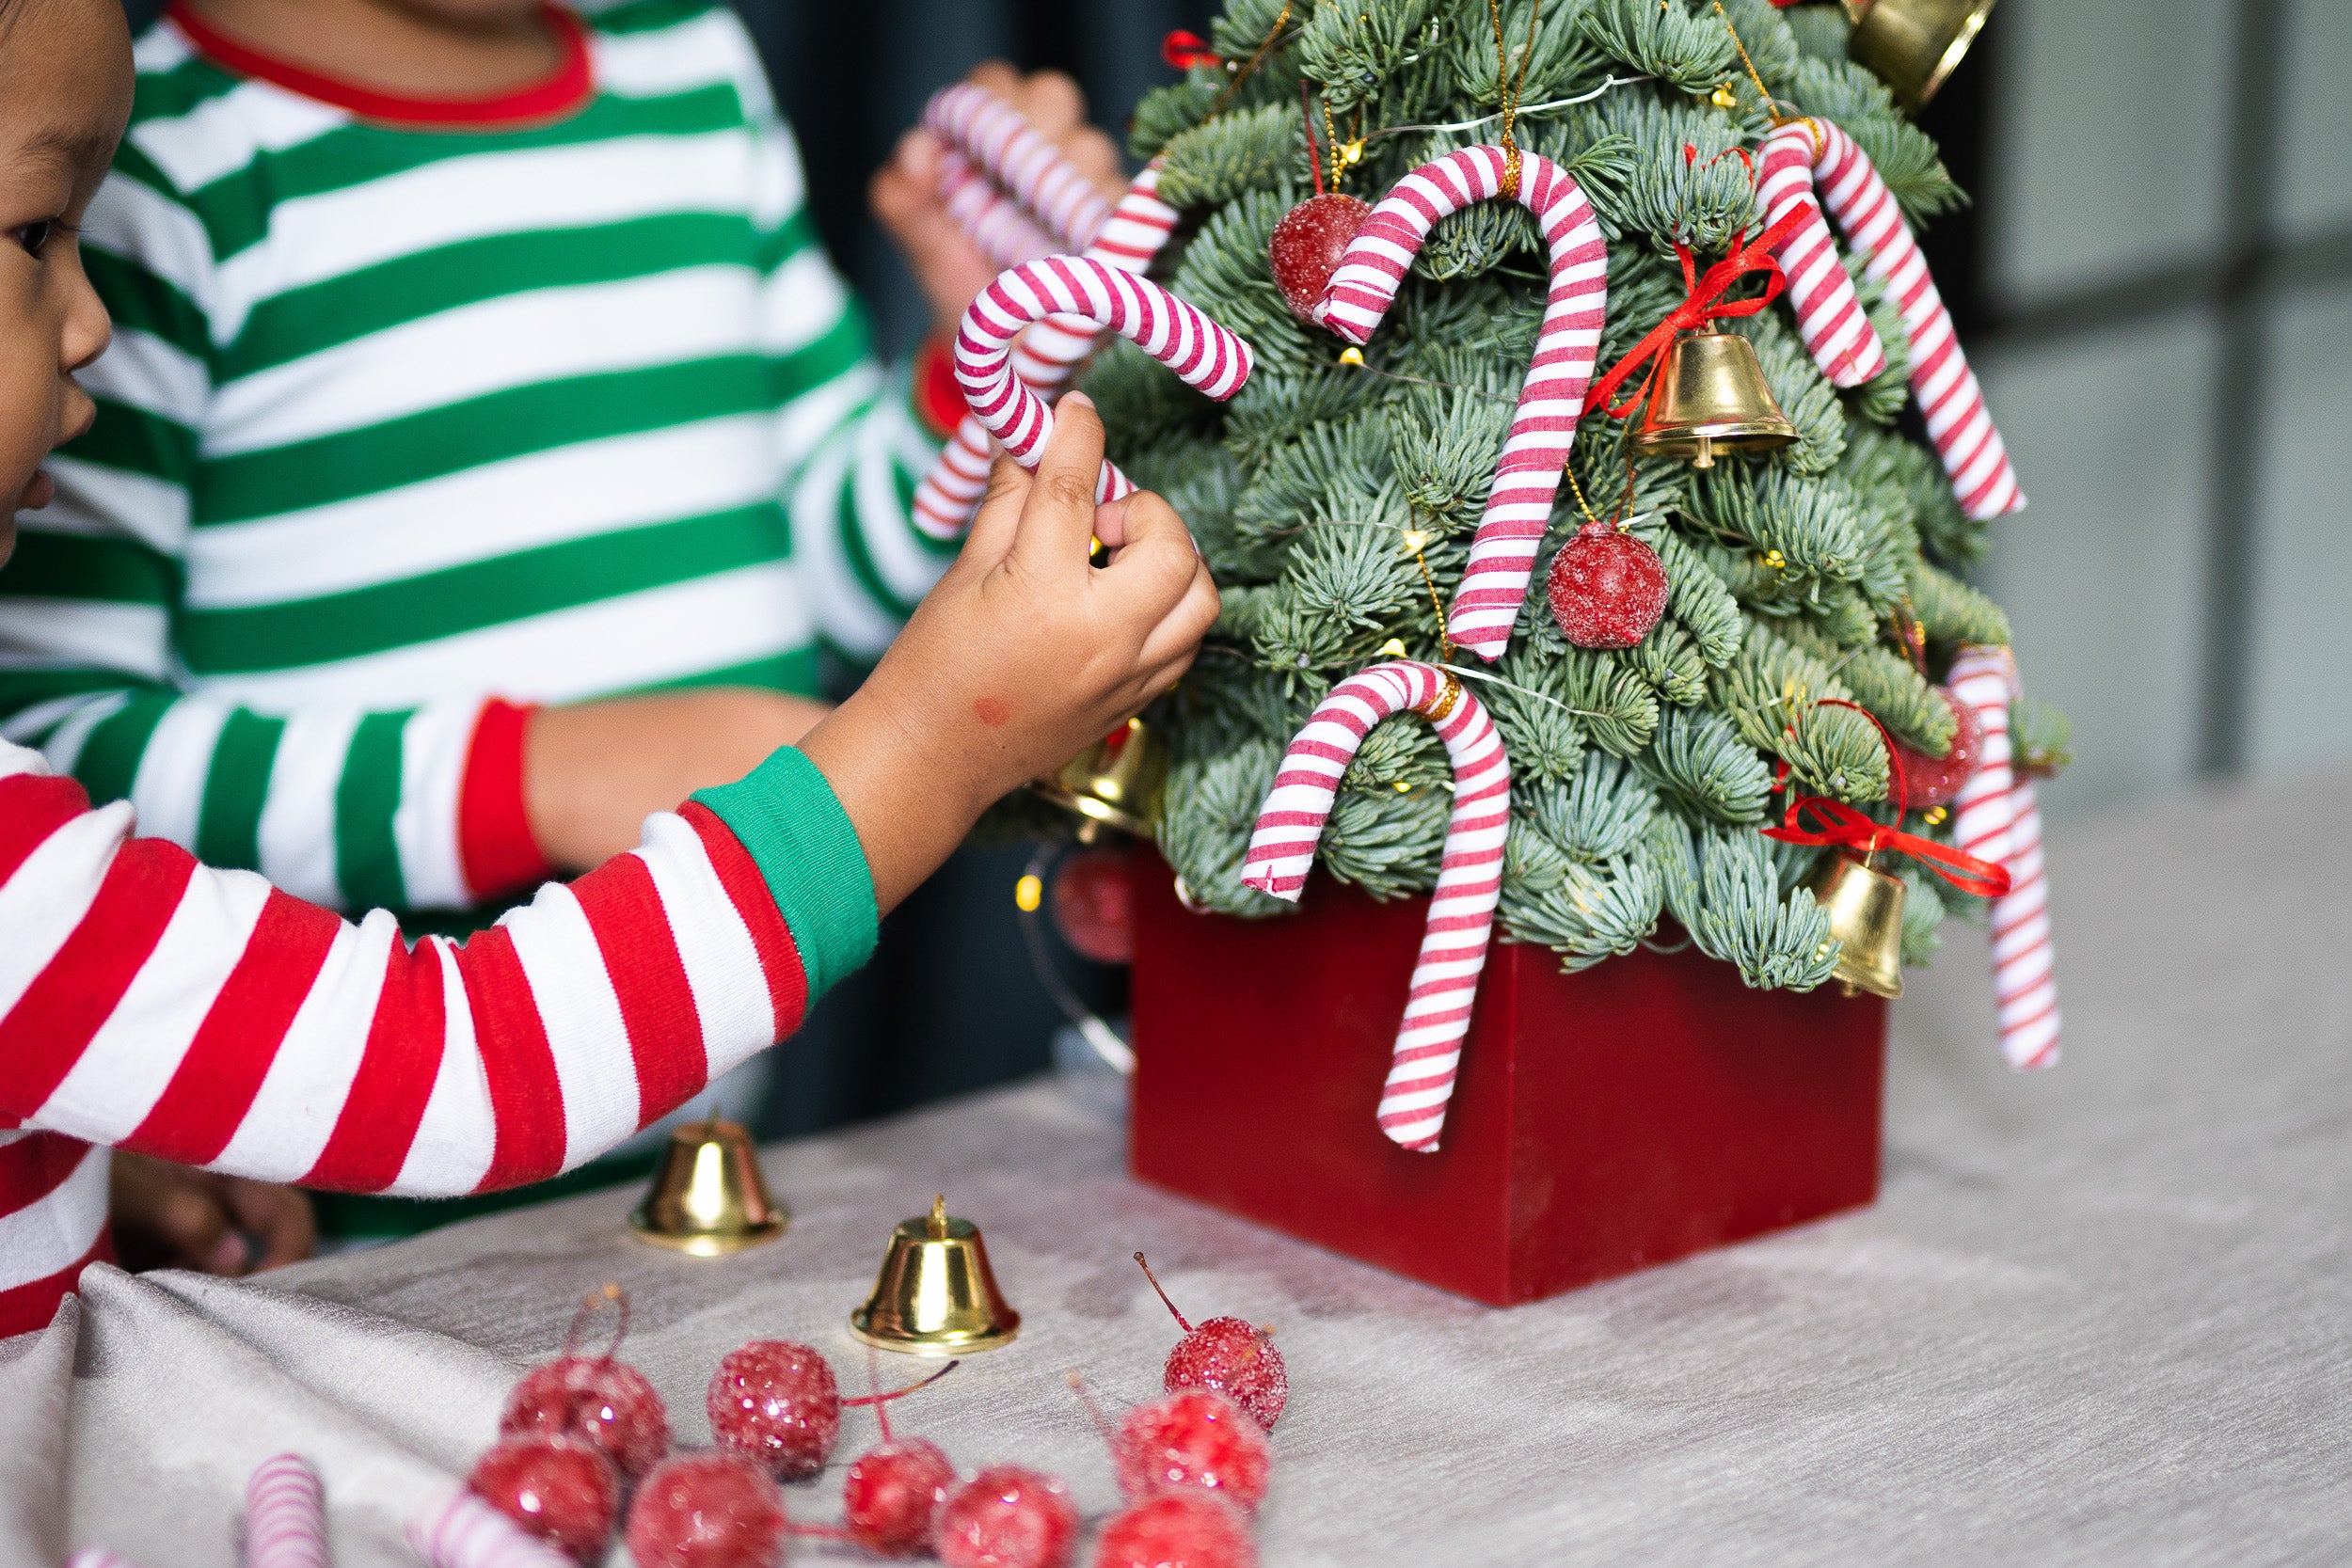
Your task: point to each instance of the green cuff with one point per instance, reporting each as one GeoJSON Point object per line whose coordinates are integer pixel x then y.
{"type": "Point", "coordinates": [786, 814]}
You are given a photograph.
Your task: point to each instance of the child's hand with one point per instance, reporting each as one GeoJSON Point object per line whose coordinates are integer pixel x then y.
{"type": "Point", "coordinates": [1022, 656]}
{"type": "Point", "coordinates": [173, 1216]}
{"type": "Point", "coordinates": [905, 191]}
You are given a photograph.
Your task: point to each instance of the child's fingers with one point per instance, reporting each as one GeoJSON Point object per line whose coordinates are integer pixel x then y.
{"type": "Point", "coordinates": [1181, 628]}
{"type": "Point", "coordinates": [1051, 103]}
{"type": "Point", "coordinates": [996, 76]}
{"type": "Point", "coordinates": [1093, 155]}
{"type": "Point", "coordinates": [1057, 516]}
{"type": "Point", "coordinates": [1156, 563]}
{"type": "Point", "coordinates": [997, 523]}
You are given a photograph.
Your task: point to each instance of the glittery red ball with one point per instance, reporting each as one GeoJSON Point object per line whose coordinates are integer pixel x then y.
{"type": "Point", "coordinates": [603, 1402]}
{"type": "Point", "coordinates": [1608, 588]}
{"type": "Point", "coordinates": [1194, 1439]}
{"type": "Point", "coordinates": [892, 1495]}
{"type": "Point", "coordinates": [559, 1490]}
{"type": "Point", "coordinates": [1093, 907]}
{"type": "Point", "coordinates": [1307, 245]}
{"type": "Point", "coordinates": [1007, 1516]}
{"type": "Point", "coordinates": [1936, 780]}
{"type": "Point", "coordinates": [1176, 1530]}
{"type": "Point", "coordinates": [706, 1510]}
{"type": "Point", "coordinates": [1235, 1360]}
{"type": "Point", "coordinates": [775, 1402]}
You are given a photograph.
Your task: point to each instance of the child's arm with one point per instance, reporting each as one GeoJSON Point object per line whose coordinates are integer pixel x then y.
{"type": "Point", "coordinates": [158, 1004]}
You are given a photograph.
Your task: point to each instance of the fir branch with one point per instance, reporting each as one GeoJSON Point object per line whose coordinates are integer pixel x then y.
{"type": "Point", "coordinates": [1542, 739]}
{"type": "Point", "coordinates": [2042, 737]}
{"type": "Point", "coordinates": [1600, 813]}
{"type": "Point", "coordinates": [1803, 393]}
{"type": "Point", "coordinates": [1883, 681]}
{"type": "Point", "coordinates": [1388, 843]}
{"type": "Point", "coordinates": [1817, 31]}
{"type": "Point", "coordinates": [1669, 660]}
{"type": "Point", "coordinates": [1247, 26]}
{"type": "Point", "coordinates": [1923, 913]}
{"type": "Point", "coordinates": [1341, 589]}
{"type": "Point", "coordinates": [1168, 111]}
{"type": "Point", "coordinates": [1778, 941]}
{"type": "Point", "coordinates": [1224, 272]}
{"type": "Point", "coordinates": [1664, 39]}
{"type": "Point", "coordinates": [1283, 403]}
{"type": "Point", "coordinates": [1776, 696]}
{"type": "Point", "coordinates": [1954, 612]}
{"type": "Point", "coordinates": [1771, 47]}
{"type": "Point", "coordinates": [1582, 914]}
{"type": "Point", "coordinates": [1700, 200]}
{"type": "Point", "coordinates": [1288, 493]}
{"type": "Point", "coordinates": [1444, 444]}
{"type": "Point", "coordinates": [1882, 398]}
{"type": "Point", "coordinates": [1815, 524]}
{"type": "Point", "coordinates": [1561, 54]}
{"type": "Point", "coordinates": [1351, 47]}
{"type": "Point", "coordinates": [1213, 804]}
{"type": "Point", "coordinates": [1259, 149]}
{"type": "Point", "coordinates": [1694, 595]}
{"type": "Point", "coordinates": [1700, 759]}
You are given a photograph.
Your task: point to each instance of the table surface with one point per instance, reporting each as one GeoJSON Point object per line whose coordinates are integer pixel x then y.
{"type": "Point", "coordinates": [2098, 1315]}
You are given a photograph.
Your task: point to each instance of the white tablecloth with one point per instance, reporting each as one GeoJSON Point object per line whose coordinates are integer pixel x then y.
{"type": "Point", "coordinates": [2099, 1315]}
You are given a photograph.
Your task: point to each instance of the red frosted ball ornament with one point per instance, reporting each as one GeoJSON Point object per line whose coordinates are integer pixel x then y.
{"type": "Point", "coordinates": [1307, 245]}
{"type": "Point", "coordinates": [706, 1510]}
{"type": "Point", "coordinates": [1607, 589]}
{"type": "Point", "coordinates": [775, 1402]}
{"type": "Point", "coordinates": [892, 1496]}
{"type": "Point", "coordinates": [1007, 1516]}
{"type": "Point", "coordinates": [1194, 1440]}
{"type": "Point", "coordinates": [1094, 907]}
{"type": "Point", "coordinates": [1937, 781]}
{"type": "Point", "coordinates": [1227, 1356]}
{"type": "Point", "coordinates": [1178, 1530]}
{"type": "Point", "coordinates": [556, 1489]}
{"type": "Point", "coordinates": [603, 1402]}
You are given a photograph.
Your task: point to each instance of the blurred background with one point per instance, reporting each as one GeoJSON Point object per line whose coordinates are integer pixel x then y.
{"type": "Point", "coordinates": [2154, 283]}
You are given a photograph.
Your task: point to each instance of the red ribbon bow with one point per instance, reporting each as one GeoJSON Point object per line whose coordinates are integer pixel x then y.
{"type": "Point", "coordinates": [1184, 50]}
{"type": "Point", "coordinates": [1701, 306]}
{"type": "Point", "coordinates": [1842, 826]}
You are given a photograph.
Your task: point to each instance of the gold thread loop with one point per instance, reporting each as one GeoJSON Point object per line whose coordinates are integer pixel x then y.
{"type": "Point", "coordinates": [1441, 704]}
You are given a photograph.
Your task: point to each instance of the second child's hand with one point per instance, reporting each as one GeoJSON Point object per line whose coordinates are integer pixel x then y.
{"type": "Point", "coordinates": [1021, 656]}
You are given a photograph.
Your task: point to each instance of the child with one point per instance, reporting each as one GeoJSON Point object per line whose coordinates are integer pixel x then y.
{"type": "Point", "coordinates": [471, 356]}
{"type": "Point", "coordinates": [154, 1002]}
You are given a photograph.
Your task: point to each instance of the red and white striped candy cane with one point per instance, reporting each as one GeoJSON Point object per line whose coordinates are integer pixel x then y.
{"type": "Point", "coordinates": [1829, 317]}
{"type": "Point", "coordinates": [1536, 453]}
{"type": "Point", "coordinates": [1023, 164]}
{"type": "Point", "coordinates": [1995, 818]}
{"type": "Point", "coordinates": [1975, 458]}
{"type": "Point", "coordinates": [285, 1515]}
{"type": "Point", "coordinates": [1470, 879]}
{"type": "Point", "coordinates": [1202, 354]}
{"type": "Point", "coordinates": [1043, 357]}
{"type": "Point", "coordinates": [467, 1532]}
{"type": "Point", "coordinates": [1007, 235]}
{"type": "Point", "coordinates": [98, 1556]}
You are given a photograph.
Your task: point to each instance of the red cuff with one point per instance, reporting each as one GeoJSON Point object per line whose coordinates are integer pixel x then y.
{"type": "Point", "coordinates": [938, 398]}
{"type": "Point", "coordinates": [494, 842]}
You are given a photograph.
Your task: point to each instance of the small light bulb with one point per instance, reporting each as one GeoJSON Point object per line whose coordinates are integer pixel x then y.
{"type": "Point", "coordinates": [1028, 892]}
{"type": "Point", "coordinates": [1414, 540]}
{"type": "Point", "coordinates": [1352, 356]}
{"type": "Point", "coordinates": [1393, 647]}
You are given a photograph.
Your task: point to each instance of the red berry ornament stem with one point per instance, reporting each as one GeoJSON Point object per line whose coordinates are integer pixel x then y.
{"type": "Point", "coordinates": [1160, 1291]}
{"type": "Point", "coordinates": [1228, 1356]}
{"type": "Point", "coordinates": [879, 1400]}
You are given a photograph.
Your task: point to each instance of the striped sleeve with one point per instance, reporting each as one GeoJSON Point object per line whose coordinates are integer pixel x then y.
{"type": "Point", "coordinates": [341, 806]}
{"type": "Point", "coordinates": [854, 441]}
{"type": "Point", "coordinates": [152, 1003]}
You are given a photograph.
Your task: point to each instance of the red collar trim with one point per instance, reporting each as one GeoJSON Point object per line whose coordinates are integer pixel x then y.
{"type": "Point", "coordinates": [570, 85]}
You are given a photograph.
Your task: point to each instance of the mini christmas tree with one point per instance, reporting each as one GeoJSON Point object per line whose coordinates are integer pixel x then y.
{"type": "Point", "coordinates": [1336, 495]}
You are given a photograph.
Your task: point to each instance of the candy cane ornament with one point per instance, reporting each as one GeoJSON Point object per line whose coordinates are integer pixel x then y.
{"type": "Point", "coordinates": [285, 1515]}
{"type": "Point", "coordinates": [466, 1532]}
{"type": "Point", "coordinates": [1997, 817]}
{"type": "Point", "coordinates": [1202, 354]}
{"type": "Point", "coordinates": [1975, 458]}
{"type": "Point", "coordinates": [1029, 169]}
{"type": "Point", "coordinates": [1829, 317]}
{"type": "Point", "coordinates": [1043, 357]}
{"type": "Point", "coordinates": [1536, 453]}
{"type": "Point", "coordinates": [1007, 235]}
{"type": "Point", "coordinates": [1454, 943]}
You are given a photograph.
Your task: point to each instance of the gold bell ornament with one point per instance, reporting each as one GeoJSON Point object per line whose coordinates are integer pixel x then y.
{"type": "Point", "coordinates": [1912, 45]}
{"type": "Point", "coordinates": [1114, 783]}
{"type": "Point", "coordinates": [707, 1197]}
{"type": "Point", "coordinates": [1865, 915]}
{"type": "Point", "coordinates": [1709, 395]}
{"type": "Point", "coordinates": [936, 1295]}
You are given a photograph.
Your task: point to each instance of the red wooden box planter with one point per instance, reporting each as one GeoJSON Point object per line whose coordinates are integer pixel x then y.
{"type": "Point", "coordinates": [1603, 1122]}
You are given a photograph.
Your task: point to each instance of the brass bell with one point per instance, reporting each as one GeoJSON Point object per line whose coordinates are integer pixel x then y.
{"type": "Point", "coordinates": [1865, 915]}
{"type": "Point", "coordinates": [1912, 45]}
{"type": "Point", "coordinates": [1711, 396]}
{"type": "Point", "coordinates": [1114, 783]}
{"type": "Point", "coordinates": [707, 1197]}
{"type": "Point", "coordinates": [936, 1295]}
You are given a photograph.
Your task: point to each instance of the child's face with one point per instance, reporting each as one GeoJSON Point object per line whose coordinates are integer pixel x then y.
{"type": "Point", "coordinates": [65, 91]}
